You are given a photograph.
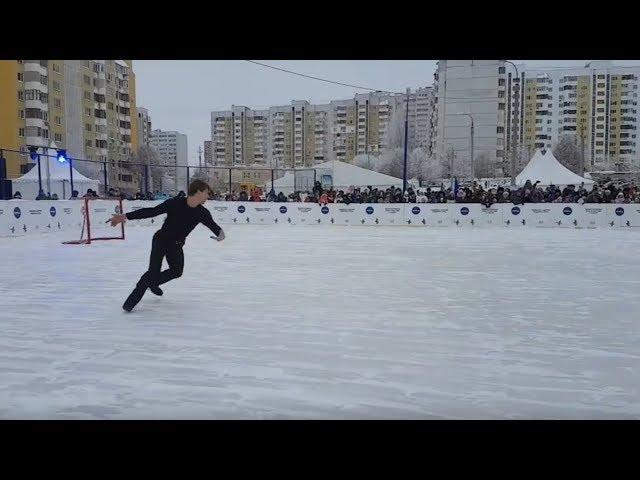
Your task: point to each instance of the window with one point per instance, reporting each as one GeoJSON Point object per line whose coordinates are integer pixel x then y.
{"type": "Point", "coordinates": [87, 95]}
{"type": "Point", "coordinates": [501, 70]}
{"type": "Point", "coordinates": [87, 80]}
{"type": "Point", "coordinates": [45, 133]}
{"type": "Point", "coordinates": [56, 86]}
{"type": "Point", "coordinates": [110, 106]}
{"type": "Point", "coordinates": [45, 116]}
{"type": "Point", "coordinates": [87, 127]}
{"type": "Point", "coordinates": [55, 67]}
{"type": "Point", "coordinates": [501, 82]}
{"type": "Point", "coordinates": [57, 103]}
{"type": "Point", "coordinates": [87, 111]}
{"type": "Point", "coordinates": [600, 102]}
{"type": "Point", "coordinates": [21, 132]}
{"type": "Point", "coordinates": [601, 85]}
{"type": "Point", "coordinates": [20, 77]}
{"type": "Point", "coordinates": [88, 143]}
{"type": "Point", "coordinates": [600, 77]}
{"type": "Point", "coordinates": [600, 110]}
{"type": "Point", "coordinates": [21, 96]}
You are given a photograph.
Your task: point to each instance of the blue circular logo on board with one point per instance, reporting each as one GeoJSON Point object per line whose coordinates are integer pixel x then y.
{"type": "Point", "coordinates": [515, 210]}
{"type": "Point", "coordinates": [52, 211]}
{"type": "Point", "coordinates": [369, 210]}
{"type": "Point", "coordinates": [415, 210]}
{"type": "Point", "coordinates": [324, 210]}
{"type": "Point", "coordinates": [17, 212]}
{"type": "Point", "coordinates": [241, 209]}
{"type": "Point", "coordinates": [619, 211]}
{"type": "Point", "coordinates": [283, 209]}
{"type": "Point", "coordinates": [464, 211]}
{"type": "Point", "coordinates": [567, 210]}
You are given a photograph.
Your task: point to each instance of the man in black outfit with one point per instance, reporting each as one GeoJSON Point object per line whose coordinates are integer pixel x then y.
{"type": "Point", "coordinates": [183, 215]}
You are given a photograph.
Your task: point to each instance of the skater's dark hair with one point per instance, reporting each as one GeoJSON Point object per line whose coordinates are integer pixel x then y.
{"type": "Point", "coordinates": [198, 186]}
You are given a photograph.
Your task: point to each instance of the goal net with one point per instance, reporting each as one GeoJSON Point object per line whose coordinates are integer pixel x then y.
{"type": "Point", "coordinates": [95, 215]}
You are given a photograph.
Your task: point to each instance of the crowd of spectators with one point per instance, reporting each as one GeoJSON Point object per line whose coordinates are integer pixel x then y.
{"type": "Point", "coordinates": [606, 192]}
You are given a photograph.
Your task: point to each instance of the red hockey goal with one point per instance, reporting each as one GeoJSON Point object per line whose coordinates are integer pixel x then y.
{"type": "Point", "coordinates": [95, 216]}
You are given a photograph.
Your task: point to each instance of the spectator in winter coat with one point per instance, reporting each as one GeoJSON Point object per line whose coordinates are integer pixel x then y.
{"type": "Point", "coordinates": [324, 199]}
{"type": "Point", "coordinates": [17, 196]}
{"type": "Point", "coordinates": [281, 197]}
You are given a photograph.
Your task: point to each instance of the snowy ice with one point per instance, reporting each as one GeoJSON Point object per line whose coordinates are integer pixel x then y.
{"type": "Point", "coordinates": [323, 322]}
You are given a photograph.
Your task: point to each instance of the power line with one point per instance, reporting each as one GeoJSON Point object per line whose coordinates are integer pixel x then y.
{"type": "Point", "coordinates": [322, 79]}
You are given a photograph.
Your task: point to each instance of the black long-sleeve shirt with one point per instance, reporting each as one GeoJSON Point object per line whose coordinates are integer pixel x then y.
{"type": "Point", "coordinates": [181, 218]}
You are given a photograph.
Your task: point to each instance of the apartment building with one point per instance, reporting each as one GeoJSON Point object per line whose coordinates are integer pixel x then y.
{"type": "Point", "coordinates": [83, 106]}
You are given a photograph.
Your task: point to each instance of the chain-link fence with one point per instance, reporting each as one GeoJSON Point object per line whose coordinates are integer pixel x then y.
{"type": "Point", "coordinates": [38, 174]}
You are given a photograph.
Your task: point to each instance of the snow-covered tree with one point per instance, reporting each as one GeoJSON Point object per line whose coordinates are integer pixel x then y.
{"type": "Point", "coordinates": [567, 151]}
{"type": "Point", "coordinates": [484, 167]}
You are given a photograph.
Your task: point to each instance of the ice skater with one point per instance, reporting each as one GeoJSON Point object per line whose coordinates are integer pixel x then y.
{"type": "Point", "coordinates": [184, 213]}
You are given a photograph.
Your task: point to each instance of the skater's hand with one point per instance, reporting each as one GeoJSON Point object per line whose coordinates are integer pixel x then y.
{"type": "Point", "coordinates": [220, 236]}
{"type": "Point", "coordinates": [116, 219]}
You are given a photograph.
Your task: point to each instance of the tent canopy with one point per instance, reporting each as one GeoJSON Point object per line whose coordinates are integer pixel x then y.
{"type": "Point", "coordinates": [342, 174]}
{"type": "Point", "coordinates": [544, 167]}
{"type": "Point", "coordinates": [55, 178]}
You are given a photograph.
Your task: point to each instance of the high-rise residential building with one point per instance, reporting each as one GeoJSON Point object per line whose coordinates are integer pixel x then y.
{"type": "Point", "coordinates": [239, 136]}
{"type": "Point", "coordinates": [303, 134]}
{"type": "Point", "coordinates": [144, 127]}
{"type": "Point", "coordinates": [595, 106]}
{"type": "Point", "coordinates": [171, 147]}
{"type": "Point", "coordinates": [83, 106]}
{"type": "Point", "coordinates": [469, 91]}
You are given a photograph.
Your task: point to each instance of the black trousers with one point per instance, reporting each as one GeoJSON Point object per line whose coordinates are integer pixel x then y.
{"type": "Point", "coordinates": [161, 248]}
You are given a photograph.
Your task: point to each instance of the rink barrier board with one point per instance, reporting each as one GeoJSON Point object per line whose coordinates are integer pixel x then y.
{"type": "Point", "coordinates": [23, 217]}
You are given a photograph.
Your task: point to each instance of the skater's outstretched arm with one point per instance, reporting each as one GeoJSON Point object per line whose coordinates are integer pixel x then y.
{"type": "Point", "coordinates": [207, 221]}
{"type": "Point", "coordinates": [142, 213]}
{"type": "Point", "coordinates": [149, 212]}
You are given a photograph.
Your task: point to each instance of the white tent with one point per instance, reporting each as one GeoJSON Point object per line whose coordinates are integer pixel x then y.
{"type": "Point", "coordinates": [545, 167]}
{"type": "Point", "coordinates": [340, 175]}
{"type": "Point", "coordinates": [55, 179]}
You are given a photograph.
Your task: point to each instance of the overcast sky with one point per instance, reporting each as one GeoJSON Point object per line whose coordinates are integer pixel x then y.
{"type": "Point", "coordinates": [180, 94]}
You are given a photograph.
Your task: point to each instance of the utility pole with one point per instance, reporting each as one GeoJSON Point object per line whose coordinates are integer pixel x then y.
{"type": "Point", "coordinates": [473, 173]}
{"type": "Point", "coordinates": [582, 149]}
{"type": "Point", "coordinates": [406, 144]}
{"type": "Point", "coordinates": [514, 136]}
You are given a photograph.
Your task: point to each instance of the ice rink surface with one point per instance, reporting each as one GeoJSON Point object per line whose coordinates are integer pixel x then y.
{"type": "Point", "coordinates": [326, 322]}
